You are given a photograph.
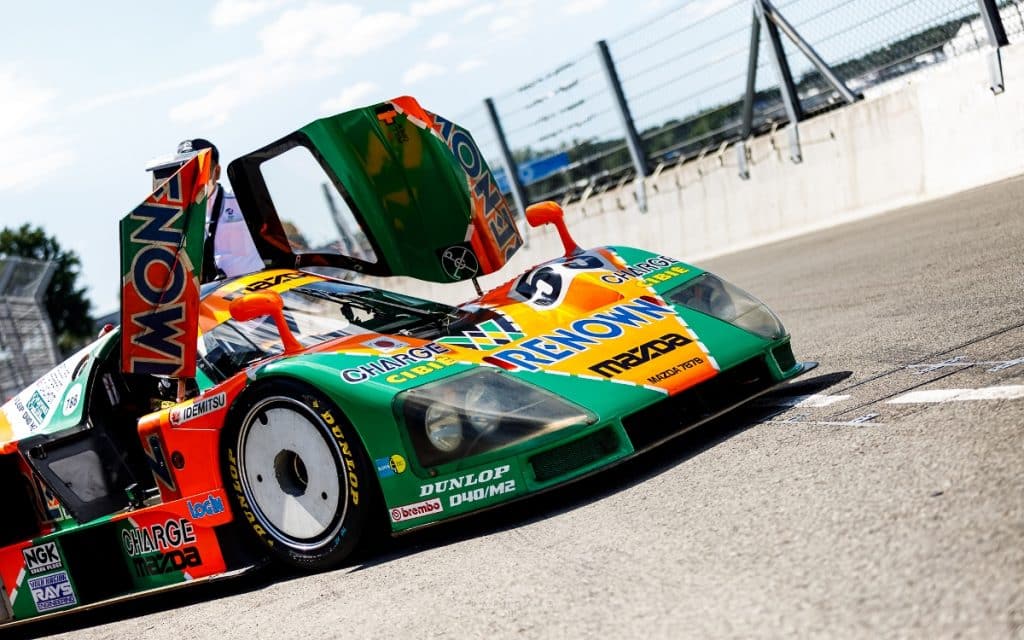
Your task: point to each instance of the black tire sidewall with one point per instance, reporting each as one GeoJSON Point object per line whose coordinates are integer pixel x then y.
{"type": "Point", "coordinates": [349, 458]}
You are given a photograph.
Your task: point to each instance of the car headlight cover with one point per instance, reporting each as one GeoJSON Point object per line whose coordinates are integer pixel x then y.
{"type": "Point", "coordinates": [443, 427]}
{"type": "Point", "coordinates": [480, 410]}
{"type": "Point", "coordinates": [710, 294]}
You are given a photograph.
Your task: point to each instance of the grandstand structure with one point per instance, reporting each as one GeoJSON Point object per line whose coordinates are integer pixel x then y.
{"type": "Point", "coordinates": [28, 347]}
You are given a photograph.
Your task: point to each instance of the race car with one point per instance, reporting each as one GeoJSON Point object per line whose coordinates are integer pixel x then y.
{"type": "Point", "coordinates": [292, 414]}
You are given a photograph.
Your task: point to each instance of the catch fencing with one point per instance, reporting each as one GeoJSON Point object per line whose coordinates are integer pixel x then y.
{"type": "Point", "coordinates": [708, 74]}
{"type": "Point", "coordinates": [28, 348]}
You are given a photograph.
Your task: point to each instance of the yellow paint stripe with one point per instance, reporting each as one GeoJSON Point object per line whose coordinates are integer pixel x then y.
{"type": "Point", "coordinates": [6, 432]}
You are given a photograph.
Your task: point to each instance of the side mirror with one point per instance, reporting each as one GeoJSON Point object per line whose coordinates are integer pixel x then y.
{"type": "Point", "coordinates": [265, 303]}
{"type": "Point", "coordinates": [550, 213]}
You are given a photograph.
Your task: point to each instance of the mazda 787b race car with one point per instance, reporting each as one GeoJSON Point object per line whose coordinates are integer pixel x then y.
{"type": "Point", "coordinates": [281, 415]}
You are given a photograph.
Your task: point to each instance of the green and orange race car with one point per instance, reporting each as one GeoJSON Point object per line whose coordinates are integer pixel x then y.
{"type": "Point", "coordinates": [280, 414]}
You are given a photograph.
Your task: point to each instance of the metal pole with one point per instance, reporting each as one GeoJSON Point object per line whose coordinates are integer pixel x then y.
{"type": "Point", "coordinates": [636, 149]}
{"type": "Point", "coordinates": [748, 97]}
{"type": "Point", "coordinates": [786, 86]}
{"type": "Point", "coordinates": [511, 170]}
{"type": "Point", "coordinates": [772, 14]}
{"type": "Point", "coordinates": [993, 23]}
{"type": "Point", "coordinates": [997, 38]}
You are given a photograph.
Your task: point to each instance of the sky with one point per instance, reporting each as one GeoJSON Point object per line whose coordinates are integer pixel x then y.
{"type": "Point", "coordinates": [90, 92]}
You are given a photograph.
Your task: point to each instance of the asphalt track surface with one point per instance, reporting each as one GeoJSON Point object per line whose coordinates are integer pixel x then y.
{"type": "Point", "coordinates": [862, 518]}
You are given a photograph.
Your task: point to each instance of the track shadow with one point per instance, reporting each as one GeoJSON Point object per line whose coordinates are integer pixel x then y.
{"type": "Point", "coordinates": [534, 508]}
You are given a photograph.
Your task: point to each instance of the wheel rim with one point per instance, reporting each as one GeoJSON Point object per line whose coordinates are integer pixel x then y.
{"type": "Point", "coordinates": [290, 472]}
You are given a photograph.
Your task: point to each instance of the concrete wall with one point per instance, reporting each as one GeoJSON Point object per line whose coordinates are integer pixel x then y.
{"type": "Point", "coordinates": [931, 134]}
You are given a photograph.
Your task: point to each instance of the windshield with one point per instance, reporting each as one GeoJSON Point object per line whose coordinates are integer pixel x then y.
{"type": "Point", "coordinates": [315, 313]}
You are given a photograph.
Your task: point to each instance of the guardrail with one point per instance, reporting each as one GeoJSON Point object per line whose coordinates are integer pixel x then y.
{"type": "Point", "coordinates": [707, 75]}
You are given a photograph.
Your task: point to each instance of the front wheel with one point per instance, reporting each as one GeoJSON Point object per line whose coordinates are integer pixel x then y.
{"type": "Point", "coordinates": [296, 474]}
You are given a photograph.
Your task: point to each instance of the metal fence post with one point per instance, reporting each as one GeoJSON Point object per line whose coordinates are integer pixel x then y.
{"type": "Point", "coordinates": [636, 150]}
{"type": "Point", "coordinates": [826, 71]}
{"type": "Point", "coordinates": [748, 97]}
{"type": "Point", "coordinates": [997, 38]}
{"type": "Point", "coordinates": [511, 169]}
{"type": "Point", "coordinates": [786, 86]}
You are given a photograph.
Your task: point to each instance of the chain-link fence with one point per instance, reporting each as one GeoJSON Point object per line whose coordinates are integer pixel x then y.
{"type": "Point", "coordinates": [27, 345]}
{"type": "Point", "coordinates": [684, 75]}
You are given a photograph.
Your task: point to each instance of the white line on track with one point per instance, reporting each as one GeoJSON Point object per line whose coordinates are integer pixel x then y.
{"type": "Point", "coordinates": [857, 422]}
{"type": "Point", "coordinates": [1006, 392]}
{"type": "Point", "coordinates": [812, 400]}
{"type": "Point", "coordinates": [994, 366]}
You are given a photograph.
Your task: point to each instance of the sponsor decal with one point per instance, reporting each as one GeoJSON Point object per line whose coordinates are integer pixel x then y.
{"type": "Point", "coordinates": [209, 507]}
{"type": "Point", "coordinates": [546, 287]}
{"type": "Point", "coordinates": [161, 253]}
{"type": "Point", "coordinates": [482, 493]}
{"type": "Point", "coordinates": [420, 370]}
{"type": "Point", "coordinates": [386, 114]}
{"type": "Point", "coordinates": [161, 563]}
{"type": "Point", "coordinates": [416, 510]}
{"type": "Point", "coordinates": [641, 354]}
{"type": "Point", "coordinates": [385, 344]}
{"type": "Point", "coordinates": [53, 591]}
{"type": "Point", "coordinates": [665, 275]}
{"type": "Point", "coordinates": [165, 536]}
{"type": "Point", "coordinates": [390, 466]}
{"type": "Point", "coordinates": [71, 400]}
{"type": "Point", "coordinates": [37, 408]}
{"type": "Point", "coordinates": [382, 366]}
{"type": "Point", "coordinates": [492, 213]}
{"type": "Point", "coordinates": [197, 408]}
{"type": "Point", "coordinates": [459, 262]}
{"type": "Point", "coordinates": [157, 462]}
{"type": "Point", "coordinates": [679, 368]}
{"type": "Point", "coordinates": [641, 269]}
{"type": "Point", "coordinates": [44, 393]}
{"type": "Point", "coordinates": [273, 280]}
{"type": "Point", "coordinates": [489, 334]}
{"type": "Point", "coordinates": [538, 353]}
{"type": "Point", "coordinates": [42, 558]}
{"type": "Point", "coordinates": [478, 486]}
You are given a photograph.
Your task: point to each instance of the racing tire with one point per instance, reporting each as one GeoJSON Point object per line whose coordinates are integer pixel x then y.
{"type": "Point", "coordinates": [298, 478]}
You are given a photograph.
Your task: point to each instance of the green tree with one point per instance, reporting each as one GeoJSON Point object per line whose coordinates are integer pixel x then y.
{"type": "Point", "coordinates": [66, 303]}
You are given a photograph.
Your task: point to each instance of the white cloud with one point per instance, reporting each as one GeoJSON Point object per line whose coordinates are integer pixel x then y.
{"type": "Point", "coordinates": [28, 155]}
{"type": "Point", "coordinates": [369, 33]}
{"type": "Point", "coordinates": [299, 45]}
{"type": "Point", "coordinates": [433, 7]}
{"type": "Point", "coordinates": [422, 71]}
{"type": "Point", "coordinates": [505, 23]}
{"type": "Point", "coordinates": [440, 40]}
{"type": "Point", "coordinates": [253, 81]}
{"type": "Point", "coordinates": [204, 76]}
{"type": "Point", "coordinates": [479, 12]}
{"type": "Point", "coordinates": [24, 104]}
{"type": "Point", "coordinates": [580, 7]}
{"type": "Point", "coordinates": [332, 31]}
{"type": "Point", "coordinates": [352, 96]}
{"type": "Point", "coordinates": [228, 13]}
{"type": "Point", "coordinates": [469, 65]}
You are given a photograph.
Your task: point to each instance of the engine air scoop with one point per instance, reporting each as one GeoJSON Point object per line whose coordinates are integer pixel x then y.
{"type": "Point", "coordinates": [550, 213]}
